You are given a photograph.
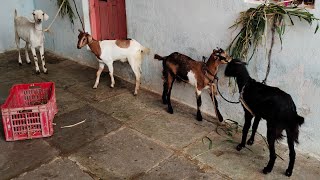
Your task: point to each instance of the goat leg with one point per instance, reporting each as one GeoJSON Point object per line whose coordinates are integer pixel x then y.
{"type": "Point", "coordinates": [292, 153]}
{"type": "Point", "coordinates": [215, 103]}
{"type": "Point", "coordinates": [248, 116]}
{"type": "Point", "coordinates": [110, 67]}
{"type": "Point", "coordinates": [199, 102]}
{"type": "Point", "coordinates": [17, 38]}
{"type": "Point", "coordinates": [171, 80]}
{"type": "Point", "coordinates": [43, 62]}
{"type": "Point", "coordinates": [101, 67]}
{"type": "Point", "coordinates": [254, 130]}
{"type": "Point", "coordinates": [272, 152]}
{"type": "Point", "coordinates": [27, 54]}
{"type": "Point", "coordinates": [33, 50]}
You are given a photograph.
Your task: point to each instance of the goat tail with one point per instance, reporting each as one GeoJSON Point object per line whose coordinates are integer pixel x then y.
{"type": "Point", "coordinates": [156, 56]}
{"type": "Point", "coordinates": [293, 131]}
{"type": "Point", "coordinates": [145, 50]}
{"type": "Point", "coordinates": [299, 120]}
{"type": "Point", "coordinates": [15, 13]}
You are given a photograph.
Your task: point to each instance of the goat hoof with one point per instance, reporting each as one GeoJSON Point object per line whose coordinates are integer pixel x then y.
{"type": "Point", "coordinates": [111, 86]}
{"type": "Point", "coordinates": [170, 110]}
{"type": "Point", "coordinates": [94, 87]}
{"type": "Point", "coordinates": [288, 172]}
{"type": "Point", "coordinates": [135, 93]}
{"type": "Point", "coordinates": [164, 101]}
{"type": "Point", "coordinates": [20, 64]}
{"type": "Point", "coordinates": [266, 170]}
{"type": "Point", "coordinates": [29, 62]}
{"type": "Point", "coordinates": [199, 117]}
{"type": "Point", "coordinates": [239, 147]}
{"type": "Point", "coordinates": [37, 72]}
{"type": "Point", "coordinates": [250, 142]}
{"type": "Point", "coordinates": [46, 72]}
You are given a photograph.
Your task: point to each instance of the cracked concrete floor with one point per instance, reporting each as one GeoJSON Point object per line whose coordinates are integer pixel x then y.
{"type": "Point", "coordinates": [126, 136]}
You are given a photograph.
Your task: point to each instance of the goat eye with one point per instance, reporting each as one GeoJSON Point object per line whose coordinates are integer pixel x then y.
{"type": "Point", "coordinates": [33, 14]}
{"type": "Point", "coordinates": [42, 14]}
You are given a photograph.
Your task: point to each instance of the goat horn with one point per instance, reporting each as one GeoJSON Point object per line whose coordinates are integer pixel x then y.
{"type": "Point", "coordinates": [80, 31]}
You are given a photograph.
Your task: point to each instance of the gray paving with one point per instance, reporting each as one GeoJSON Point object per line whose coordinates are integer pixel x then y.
{"type": "Point", "coordinates": [128, 137]}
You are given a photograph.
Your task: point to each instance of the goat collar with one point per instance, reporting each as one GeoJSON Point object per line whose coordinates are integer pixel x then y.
{"type": "Point", "coordinates": [208, 72]}
{"type": "Point", "coordinates": [243, 102]}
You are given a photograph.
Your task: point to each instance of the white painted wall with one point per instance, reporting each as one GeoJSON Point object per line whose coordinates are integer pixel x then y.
{"type": "Point", "coordinates": [24, 8]}
{"type": "Point", "coordinates": [195, 28]}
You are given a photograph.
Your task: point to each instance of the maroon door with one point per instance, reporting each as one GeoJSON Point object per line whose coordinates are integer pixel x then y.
{"type": "Point", "coordinates": [109, 19]}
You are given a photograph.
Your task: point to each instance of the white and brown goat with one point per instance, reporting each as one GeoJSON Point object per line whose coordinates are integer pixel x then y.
{"type": "Point", "coordinates": [108, 51]}
{"type": "Point", "coordinates": [199, 74]}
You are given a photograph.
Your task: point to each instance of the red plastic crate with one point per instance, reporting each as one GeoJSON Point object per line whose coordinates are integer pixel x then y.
{"type": "Point", "coordinates": [29, 111]}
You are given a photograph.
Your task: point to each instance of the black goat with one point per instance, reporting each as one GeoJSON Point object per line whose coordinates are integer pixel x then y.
{"type": "Point", "coordinates": [271, 104]}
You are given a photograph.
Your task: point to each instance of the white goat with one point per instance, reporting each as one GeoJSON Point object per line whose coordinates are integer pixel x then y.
{"type": "Point", "coordinates": [108, 51]}
{"type": "Point", "coordinates": [32, 34]}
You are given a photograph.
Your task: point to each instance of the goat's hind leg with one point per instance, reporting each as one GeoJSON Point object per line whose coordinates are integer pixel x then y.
{"type": "Point", "coordinates": [171, 79]}
{"type": "Point", "coordinates": [17, 39]}
{"type": "Point", "coordinates": [271, 137]}
{"type": "Point", "coordinates": [110, 68]}
{"type": "Point", "coordinates": [165, 83]}
{"type": "Point", "coordinates": [248, 116]}
{"type": "Point", "coordinates": [26, 53]}
{"type": "Point", "coordinates": [137, 72]}
{"type": "Point", "coordinates": [292, 154]}
{"type": "Point", "coordinates": [254, 130]}
{"type": "Point", "coordinates": [101, 67]}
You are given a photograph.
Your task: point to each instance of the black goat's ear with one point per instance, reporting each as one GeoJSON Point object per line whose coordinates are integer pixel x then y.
{"type": "Point", "coordinates": [241, 62]}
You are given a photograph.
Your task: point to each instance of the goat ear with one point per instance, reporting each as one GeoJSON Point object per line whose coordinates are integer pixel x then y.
{"type": "Point", "coordinates": [89, 38]}
{"type": "Point", "coordinates": [204, 58]}
{"type": "Point", "coordinates": [241, 62]}
{"type": "Point", "coordinates": [45, 17]}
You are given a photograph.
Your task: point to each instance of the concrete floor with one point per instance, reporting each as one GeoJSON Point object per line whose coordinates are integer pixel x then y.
{"type": "Point", "coordinates": [126, 136]}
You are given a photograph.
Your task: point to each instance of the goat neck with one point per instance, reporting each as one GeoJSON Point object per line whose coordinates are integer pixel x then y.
{"type": "Point", "coordinates": [38, 27]}
{"type": "Point", "coordinates": [212, 65]}
{"type": "Point", "coordinates": [243, 77]}
{"type": "Point", "coordinates": [95, 47]}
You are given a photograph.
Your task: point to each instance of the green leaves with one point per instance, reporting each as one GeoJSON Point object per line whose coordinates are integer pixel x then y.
{"type": "Point", "coordinates": [254, 22]}
{"type": "Point", "coordinates": [66, 10]}
{"type": "Point", "coordinates": [210, 141]}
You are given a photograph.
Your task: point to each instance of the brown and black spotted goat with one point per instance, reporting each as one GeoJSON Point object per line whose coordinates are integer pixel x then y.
{"type": "Point", "coordinates": [199, 74]}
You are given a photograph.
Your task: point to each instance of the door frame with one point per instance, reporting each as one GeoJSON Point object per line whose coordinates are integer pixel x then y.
{"type": "Point", "coordinates": [95, 19]}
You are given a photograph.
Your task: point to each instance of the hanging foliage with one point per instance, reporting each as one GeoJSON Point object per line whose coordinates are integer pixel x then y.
{"type": "Point", "coordinates": [66, 9]}
{"type": "Point", "coordinates": [254, 22]}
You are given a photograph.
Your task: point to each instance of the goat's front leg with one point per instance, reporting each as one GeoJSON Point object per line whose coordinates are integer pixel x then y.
{"type": "Point", "coordinates": [215, 103]}
{"type": "Point", "coordinates": [271, 137]}
{"type": "Point", "coordinates": [247, 123]}
{"type": "Point", "coordinates": [43, 62]}
{"type": "Point", "coordinates": [110, 67]}
{"type": "Point", "coordinates": [33, 50]}
{"type": "Point", "coordinates": [254, 130]}
{"type": "Point", "coordinates": [101, 67]}
{"type": "Point", "coordinates": [27, 54]}
{"type": "Point", "coordinates": [199, 102]}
